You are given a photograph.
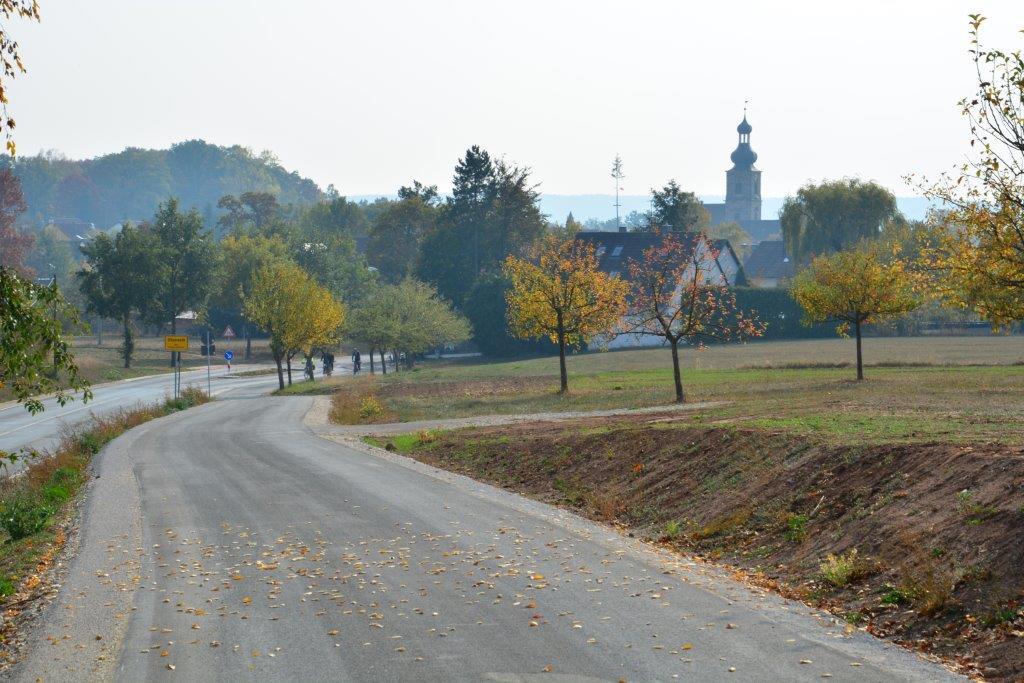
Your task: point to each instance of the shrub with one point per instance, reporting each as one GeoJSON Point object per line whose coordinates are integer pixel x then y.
{"type": "Point", "coordinates": [66, 477]}
{"type": "Point", "coordinates": [796, 528]}
{"type": "Point", "coordinates": [7, 587]}
{"type": "Point", "coordinates": [370, 408]}
{"type": "Point", "coordinates": [672, 529]}
{"type": "Point", "coordinates": [88, 442]}
{"type": "Point", "coordinates": [56, 494]}
{"type": "Point", "coordinates": [895, 596]}
{"type": "Point", "coordinates": [23, 514]}
{"type": "Point", "coordinates": [932, 591]}
{"type": "Point", "coordinates": [839, 570]}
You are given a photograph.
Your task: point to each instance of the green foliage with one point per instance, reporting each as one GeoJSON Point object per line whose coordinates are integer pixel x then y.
{"type": "Point", "coordinates": [835, 215]}
{"type": "Point", "coordinates": [780, 312]}
{"type": "Point", "coordinates": [485, 309]}
{"type": "Point", "coordinates": [796, 528]}
{"type": "Point", "coordinates": [493, 212]}
{"type": "Point", "coordinates": [55, 494]}
{"type": "Point", "coordinates": [240, 258]}
{"type": "Point", "coordinates": [89, 442]}
{"type": "Point", "coordinates": [895, 596]}
{"type": "Point", "coordinates": [35, 357]}
{"type": "Point", "coordinates": [975, 512]}
{"type": "Point", "coordinates": [397, 232]}
{"type": "Point", "coordinates": [185, 257]}
{"type": "Point", "coordinates": [407, 317]}
{"type": "Point", "coordinates": [117, 280]}
{"type": "Point", "coordinates": [23, 514]}
{"type": "Point", "coordinates": [130, 184]}
{"type": "Point", "coordinates": [672, 529]}
{"type": "Point", "coordinates": [323, 242]}
{"type": "Point", "coordinates": [7, 587]}
{"type": "Point", "coordinates": [676, 210]}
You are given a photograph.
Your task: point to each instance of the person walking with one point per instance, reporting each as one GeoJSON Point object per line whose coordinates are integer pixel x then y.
{"type": "Point", "coordinates": [356, 362]}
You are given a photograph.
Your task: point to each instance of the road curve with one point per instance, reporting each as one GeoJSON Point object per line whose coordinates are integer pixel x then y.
{"type": "Point", "coordinates": [20, 429]}
{"type": "Point", "coordinates": [230, 542]}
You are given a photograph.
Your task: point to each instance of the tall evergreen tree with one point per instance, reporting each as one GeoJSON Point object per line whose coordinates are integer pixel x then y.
{"type": "Point", "coordinates": [676, 210]}
{"type": "Point", "coordinates": [493, 212]}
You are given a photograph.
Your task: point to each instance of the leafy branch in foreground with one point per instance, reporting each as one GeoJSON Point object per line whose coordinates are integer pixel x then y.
{"type": "Point", "coordinates": [10, 58]}
{"type": "Point", "coordinates": [976, 251]}
{"type": "Point", "coordinates": [35, 358]}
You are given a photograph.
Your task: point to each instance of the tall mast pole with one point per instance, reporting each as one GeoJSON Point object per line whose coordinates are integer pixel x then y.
{"type": "Point", "coordinates": [618, 175]}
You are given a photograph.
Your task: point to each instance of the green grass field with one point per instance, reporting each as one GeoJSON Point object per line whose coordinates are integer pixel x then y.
{"type": "Point", "coordinates": [961, 389]}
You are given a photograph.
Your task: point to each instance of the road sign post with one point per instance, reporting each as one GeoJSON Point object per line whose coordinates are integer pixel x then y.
{"type": "Point", "coordinates": [176, 343]}
{"type": "Point", "coordinates": [209, 352]}
{"type": "Point", "coordinates": [228, 355]}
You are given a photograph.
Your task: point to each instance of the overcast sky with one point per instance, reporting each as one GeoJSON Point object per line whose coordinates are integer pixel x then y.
{"type": "Point", "coordinates": [370, 95]}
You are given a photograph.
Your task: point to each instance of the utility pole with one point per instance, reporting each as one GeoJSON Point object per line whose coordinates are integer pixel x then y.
{"type": "Point", "coordinates": [618, 175]}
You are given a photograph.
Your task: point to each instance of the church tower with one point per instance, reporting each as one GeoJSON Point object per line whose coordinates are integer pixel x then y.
{"type": "Point", "coordinates": [743, 180]}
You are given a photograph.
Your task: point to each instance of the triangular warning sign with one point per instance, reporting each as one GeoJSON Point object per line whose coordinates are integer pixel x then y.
{"type": "Point", "coordinates": [228, 332]}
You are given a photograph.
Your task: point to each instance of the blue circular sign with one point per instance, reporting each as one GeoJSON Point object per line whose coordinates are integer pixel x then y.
{"type": "Point", "coordinates": [228, 355]}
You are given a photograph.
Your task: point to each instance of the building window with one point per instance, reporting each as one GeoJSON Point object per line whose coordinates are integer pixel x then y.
{"type": "Point", "coordinates": [617, 251]}
{"type": "Point", "coordinates": [613, 273]}
{"type": "Point", "coordinates": [600, 251]}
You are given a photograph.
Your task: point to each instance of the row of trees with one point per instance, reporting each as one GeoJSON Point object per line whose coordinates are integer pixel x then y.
{"type": "Point", "coordinates": [673, 293]}
{"type": "Point", "coordinates": [295, 281]}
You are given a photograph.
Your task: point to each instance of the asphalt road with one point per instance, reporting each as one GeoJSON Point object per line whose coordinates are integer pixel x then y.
{"type": "Point", "coordinates": [230, 542]}
{"type": "Point", "coordinates": [20, 429]}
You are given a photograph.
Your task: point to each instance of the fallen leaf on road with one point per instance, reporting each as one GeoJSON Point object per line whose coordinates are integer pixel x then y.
{"type": "Point", "coordinates": [686, 646]}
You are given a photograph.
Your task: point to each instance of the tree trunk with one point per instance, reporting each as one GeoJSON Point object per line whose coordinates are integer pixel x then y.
{"type": "Point", "coordinates": [280, 371]}
{"type": "Point", "coordinates": [564, 376]}
{"type": "Point", "coordinates": [383, 363]}
{"type": "Point", "coordinates": [248, 343]}
{"type": "Point", "coordinates": [128, 345]}
{"type": "Point", "coordinates": [860, 357]}
{"type": "Point", "coordinates": [289, 369]}
{"type": "Point", "coordinates": [371, 362]}
{"type": "Point", "coordinates": [680, 397]}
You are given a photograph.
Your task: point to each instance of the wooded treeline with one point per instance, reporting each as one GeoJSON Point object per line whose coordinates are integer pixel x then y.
{"type": "Point", "coordinates": [128, 185]}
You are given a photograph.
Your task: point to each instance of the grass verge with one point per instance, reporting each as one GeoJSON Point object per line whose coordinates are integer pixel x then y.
{"type": "Point", "coordinates": [36, 503]}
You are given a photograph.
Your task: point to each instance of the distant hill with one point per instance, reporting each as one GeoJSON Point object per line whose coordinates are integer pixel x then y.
{"type": "Point", "coordinates": [601, 207]}
{"type": "Point", "coordinates": [129, 184]}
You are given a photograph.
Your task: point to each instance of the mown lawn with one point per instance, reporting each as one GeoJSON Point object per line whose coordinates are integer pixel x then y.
{"type": "Point", "coordinates": [919, 389]}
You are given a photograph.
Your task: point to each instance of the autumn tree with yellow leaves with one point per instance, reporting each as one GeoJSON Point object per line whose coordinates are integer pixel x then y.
{"type": "Point", "coordinates": [976, 252]}
{"type": "Point", "coordinates": [559, 293]}
{"type": "Point", "coordinates": [295, 311]}
{"type": "Point", "coordinates": [855, 288]}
